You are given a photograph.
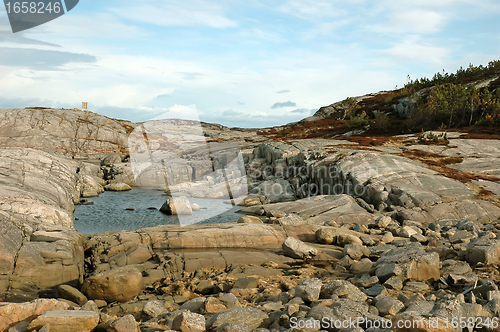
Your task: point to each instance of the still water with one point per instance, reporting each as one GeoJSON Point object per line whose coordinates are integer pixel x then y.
{"type": "Point", "coordinates": [109, 212]}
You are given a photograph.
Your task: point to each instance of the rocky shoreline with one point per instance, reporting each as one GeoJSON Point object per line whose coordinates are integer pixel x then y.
{"type": "Point", "coordinates": [387, 233]}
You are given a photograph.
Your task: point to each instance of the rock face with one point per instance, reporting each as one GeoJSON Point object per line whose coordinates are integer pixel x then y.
{"type": "Point", "coordinates": [381, 180]}
{"type": "Point", "coordinates": [71, 132]}
{"type": "Point", "coordinates": [38, 186]}
{"type": "Point", "coordinates": [323, 208]}
{"type": "Point", "coordinates": [120, 284]}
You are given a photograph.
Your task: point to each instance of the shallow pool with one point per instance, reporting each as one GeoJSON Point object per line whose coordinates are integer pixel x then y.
{"type": "Point", "coordinates": [109, 212]}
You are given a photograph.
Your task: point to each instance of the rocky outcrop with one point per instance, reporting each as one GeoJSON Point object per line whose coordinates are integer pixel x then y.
{"type": "Point", "coordinates": [14, 313]}
{"type": "Point", "coordinates": [39, 248]}
{"type": "Point", "coordinates": [72, 132]}
{"type": "Point", "coordinates": [379, 181]}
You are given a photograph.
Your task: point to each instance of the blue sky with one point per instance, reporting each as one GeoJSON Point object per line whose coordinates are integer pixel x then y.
{"type": "Point", "coordinates": [239, 63]}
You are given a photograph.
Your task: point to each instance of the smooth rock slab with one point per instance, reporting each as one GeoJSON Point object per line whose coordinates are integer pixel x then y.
{"type": "Point", "coordinates": [72, 294]}
{"type": "Point", "coordinates": [297, 249]}
{"type": "Point", "coordinates": [64, 320]}
{"type": "Point", "coordinates": [250, 220]}
{"type": "Point", "coordinates": [121, 284]}
{"type": "Point", "coordinates": [251, 316]}
{"type": "Point", "coordinates": [14, 313]}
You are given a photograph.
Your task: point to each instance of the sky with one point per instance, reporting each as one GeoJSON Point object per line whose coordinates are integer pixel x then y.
{"type": "Point", "coordinates": [239, 63]}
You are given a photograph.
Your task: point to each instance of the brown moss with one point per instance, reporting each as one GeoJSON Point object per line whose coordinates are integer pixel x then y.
{"type": "Point", "coordinates": [439, 164]}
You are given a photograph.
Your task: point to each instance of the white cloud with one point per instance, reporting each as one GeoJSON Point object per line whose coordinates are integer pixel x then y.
{"type": "Point", "coordinates": [412, 21]}
{"type": "Point", "coordinates": [185, 13]}
{"type": "Point", "coordinates": [101, 26]}
{"type": "Point", "coordinates": [312, 9]}
{"type": "Point", "coordinates": [412, 49]}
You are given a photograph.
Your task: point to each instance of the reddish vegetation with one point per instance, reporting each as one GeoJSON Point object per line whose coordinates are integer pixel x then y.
{"type": "Point", "coordinates": [379, 140]}
{"type": "Point", "coordinates": [302, 130]}
{"type": "Point", "coordinates": [431, 159]}
{"type": "Point", "coordinates": [438, 163]}
{"type": "Point", "coordinates": [483, 133]}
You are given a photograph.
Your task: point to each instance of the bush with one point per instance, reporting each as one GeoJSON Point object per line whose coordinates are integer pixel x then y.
{"type": "Point", "coordinates": [432, 138]}
{"type": "Point", "coordinates": [350, 106]}
{"type": "Point", "coordinates": [358, 121]}
{"type": "Point", "coordinates": [381, 122]}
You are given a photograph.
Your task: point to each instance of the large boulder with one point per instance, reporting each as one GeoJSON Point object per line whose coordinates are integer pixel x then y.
{"type": "Point", "coordinates": [90, 186]}
{"type": "Point", "coordinates": [410, 262]}
{"type": "Point", "coordinates": [297, 249]}
{"type": "Point", "coordinates": [117, 187]}
{"type": "Point", "coordinates": [121, 284]}
{"type": "Point", "coordinates": [112, 159]}
{"type": "Point", "coordinates": [177, 206]}
{"type": "Point", "coordinates": [483, 250]}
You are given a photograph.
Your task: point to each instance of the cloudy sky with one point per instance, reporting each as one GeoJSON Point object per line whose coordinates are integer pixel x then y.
{"type": "Point", "coordinates": [249, 63]}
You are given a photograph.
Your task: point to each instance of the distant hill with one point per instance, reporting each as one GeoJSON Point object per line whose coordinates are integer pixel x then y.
{"type": "Point", "coordinates": [468, 99]}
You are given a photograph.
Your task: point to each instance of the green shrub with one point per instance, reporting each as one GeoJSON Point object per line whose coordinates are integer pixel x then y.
{"type": "Point", "coordinates": [350, 106]}
{"type": "Point", "coordinates": [358, 121]}
{"type": "Point", "coordinates": [381, 122]}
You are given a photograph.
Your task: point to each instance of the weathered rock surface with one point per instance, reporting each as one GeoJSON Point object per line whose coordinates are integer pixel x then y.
{"type": "Point", "coordinates": [71, 132]}
{"type": "Point", "coordinates": [126, 323]}
{"type": "Point", "coordinates": [389, 235]}
{"type": "Point", "coordinates": [484, 250]}
{"type": "Point", "coordinates": [63, 320]}
{"type": "Point", "coordinates": [410, 262]}
{"type": "Point", "coordinates": [321, 209]}
{"type": "Point", "coordinates": [121, 284]}
{"type": "Point", "coordinates": [13, 313]}
{"type": "Point", "coordinates": [297, 249]}
{"type": "Point", "coordinates": [251, 316]}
